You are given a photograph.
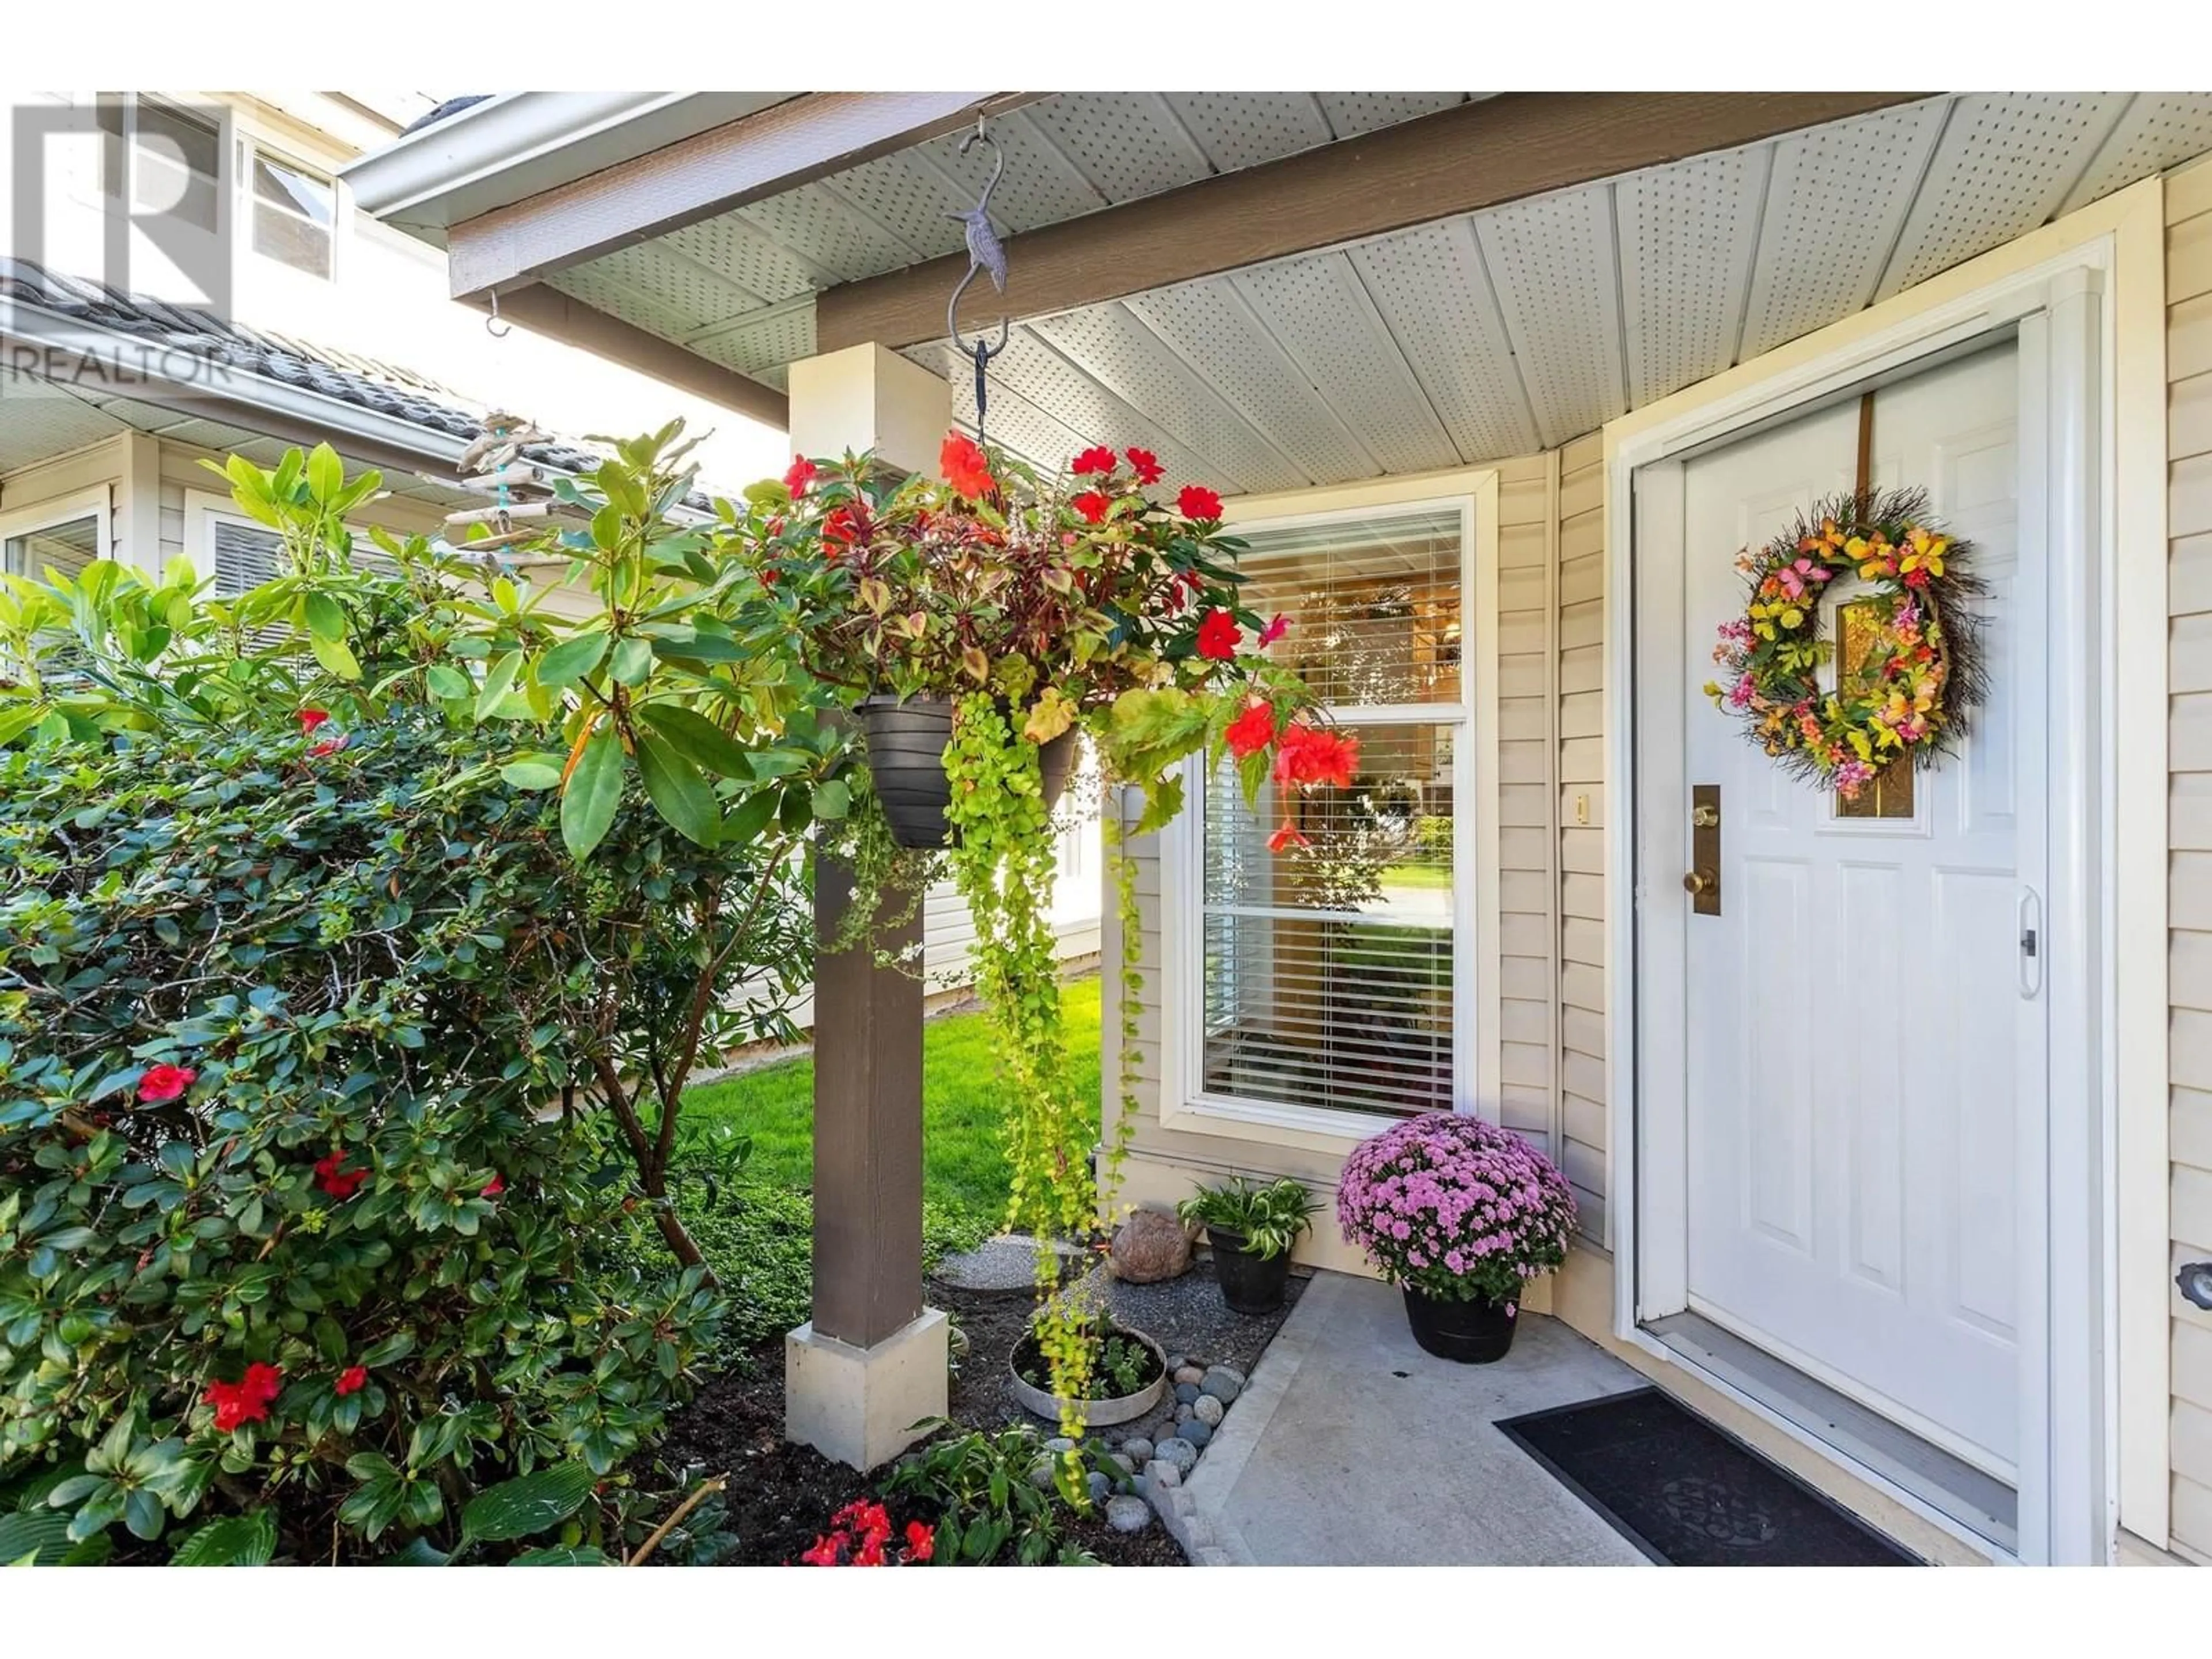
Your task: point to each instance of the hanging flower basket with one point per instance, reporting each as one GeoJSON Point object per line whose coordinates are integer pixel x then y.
{"type": "Point", "coordinates": [906, 756]}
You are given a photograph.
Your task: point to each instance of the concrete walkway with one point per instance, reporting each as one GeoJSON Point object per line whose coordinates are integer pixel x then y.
{"type": "Point", "coordinates": [1350, 1447]}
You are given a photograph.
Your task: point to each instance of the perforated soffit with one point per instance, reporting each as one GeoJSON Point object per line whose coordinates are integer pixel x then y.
{"type": "Point", "coordinates": [1515, 329]}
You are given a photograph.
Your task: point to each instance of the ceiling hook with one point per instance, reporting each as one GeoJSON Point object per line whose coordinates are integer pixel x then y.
{"type": "Point", "coordinates": [493, 327]}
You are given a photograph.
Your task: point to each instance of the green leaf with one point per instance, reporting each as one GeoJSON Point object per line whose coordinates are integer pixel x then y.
{"type": "Point", "coordinates": [334, 657]}
{"type": "Point", "coordinates": [528, 1505]}
{"type": "Point", "coordinates": [588, 804]}
{"type": "Point", "coordinates": [632, 661]}
{"type": "Point", "coordinates": [326, 617]}
{"type": "Point", "coordinates": [574, 658]}
{"type": "Point", "coordinates": [325, 474]}
{"type": "Point", "coordinates": [237, 1541]}
{"type": "Point", "coordinates": [697, 737]}
{"type": "Point", "coordinates": [383, 1352]}
{"type": "Point", "coordinates": [42, 1533]}
{"type": "Point", "coordinates": [832, 799]}
{"type": "Point", "coordinates": [14, 722]}
{"type": "Point", "coordinates": [748, 817]}
{"type": "Point", "coordinates": [532, 773]}
{"type": "Point", "coordinates": [563, 1555]}
{"type": "Point", "coordinates": [677, 791]}
{"type": "Point", "coordinates": [447, 681]}
{"type": "Point", "coordinates": [499, 679]}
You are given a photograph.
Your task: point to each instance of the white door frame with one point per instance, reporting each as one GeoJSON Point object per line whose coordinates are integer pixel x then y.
{"type": "Point", "coordinates": [2064, 308]}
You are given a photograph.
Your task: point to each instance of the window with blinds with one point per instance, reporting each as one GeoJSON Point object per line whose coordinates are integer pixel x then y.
{"type": "Point", "coordinates": [1329, 972]}
{"type": "Point", "coordinates": [64, 548]}
{"type": "Point", "coordinates": [245, 554]}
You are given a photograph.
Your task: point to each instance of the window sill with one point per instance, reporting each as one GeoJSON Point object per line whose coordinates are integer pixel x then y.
{"type": "Point", "coordinates": [1316, 1128]}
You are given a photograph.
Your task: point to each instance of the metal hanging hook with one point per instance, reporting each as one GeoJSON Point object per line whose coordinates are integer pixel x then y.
{"type": "Point", "coordinates": [493, 327]}
{"type": "Point", "coordinates": [986, 254]}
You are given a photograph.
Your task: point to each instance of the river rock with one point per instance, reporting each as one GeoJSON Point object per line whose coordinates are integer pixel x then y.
{"type": "Point", "coordinates": [1138, 1449]}
{"type": "Point", "coordinates": [1196, 1431]}
{"type": "Point", "coordinates": [1129, 1514]}
{"type": "Point", "coordinates": [1177, 1451]}
{"type": "Point", "coordinates": [1189, 1375]}
{"type": "Point", "coordinates": [1101, 1487]}
{"type": "Point", "coordinates": [1150, 1247]}
{"type": "Point", "coordinates": [1224, 1383]}
{"type": "Point", "coordinates": [1160, 1474]}
{"type": "Point", "coordinates": [1207, 1409]}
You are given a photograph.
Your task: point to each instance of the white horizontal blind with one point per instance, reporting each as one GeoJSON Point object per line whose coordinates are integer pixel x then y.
{"type": "Point", "coordinates": [63, 548]}
{"type": "Point", "coordinates": [1327, 970]}
{"type": "Point", "coordinates": [246, 556]}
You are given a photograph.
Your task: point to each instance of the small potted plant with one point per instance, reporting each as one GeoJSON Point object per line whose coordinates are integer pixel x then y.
{"type": "Point", "coordinates": [1251, 1230]}
{"type": "Point", "coordinates": [1110, 1375]}
{"type": "Point", "coordinates": [1459, 1214]}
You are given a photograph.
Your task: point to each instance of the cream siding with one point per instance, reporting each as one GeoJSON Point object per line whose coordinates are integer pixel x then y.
{"type": "Point", "coordinates": [1580, 806]}
{"type": "Point", "coordinates": [2189, 598]}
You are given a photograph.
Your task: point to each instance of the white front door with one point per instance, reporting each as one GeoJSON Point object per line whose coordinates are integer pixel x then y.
{"type": "Point", "coordinates": [1864, 1054]}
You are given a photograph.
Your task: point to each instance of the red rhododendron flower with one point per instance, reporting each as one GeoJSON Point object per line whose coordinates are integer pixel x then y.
{"type": "Point", "coordinates": [247, 1399]}
{"type": "Point", "coordinates": [1273, 631]}
{"type": "Point", "coordinates": [327, 746]}
{"type": "Point", "coordinates": [1197, 502]}
{"type": "Point", "coordinates": [1147, 465]}
{"type": "Point", "coordinates": [1253, 730]}
{"type": "Point", "coordinates": [164, 1082]}
{"type": "Point", "coordinates": [1309, 755]}
{"type": "Point", "coordinates": [921, 1541]}
{"type": "Point", "coordinates": [1217, 636]}
{"type": "Point", "coordinates": [800, 475]}
{"type": "Point", "coordinates": [352, 1380]}
{"type": "Point", "coordinates": [338, 1183]}
{"type": "Point", "coordinates": [965, 467]}
{"type": "Point", "coordinates": [1286, 836]}
{"type": "Point", "coordinates": [312, 718]}
{"type": "Point", "coordinates": [1092, 505]}
{"type": "Point", "coordinates": [495, 1187]}
{"type": "Point", "coordinates": [1099, 459]}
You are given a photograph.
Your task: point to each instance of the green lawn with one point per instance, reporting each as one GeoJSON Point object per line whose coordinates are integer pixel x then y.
{"type": "Point", "coordinates": [963, 1166]}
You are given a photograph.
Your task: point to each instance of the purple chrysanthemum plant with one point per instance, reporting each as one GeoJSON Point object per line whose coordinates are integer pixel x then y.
{"type": "Point", "coordinates": [1456, 1208]}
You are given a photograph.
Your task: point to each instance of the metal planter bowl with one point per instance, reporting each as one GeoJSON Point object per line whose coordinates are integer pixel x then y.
{"type": "Point", "coordinates": [1097, 1413]}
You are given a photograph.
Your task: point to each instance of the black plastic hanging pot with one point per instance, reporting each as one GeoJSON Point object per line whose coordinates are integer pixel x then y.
{"type": "Point", "coordinates": [1249, 1284]}
{"type": "Point", "coordinates": [906, 755]}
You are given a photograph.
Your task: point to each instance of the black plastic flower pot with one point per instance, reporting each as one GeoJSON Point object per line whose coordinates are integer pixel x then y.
{"type": "Point", "coordinates": [1475, 1332]}
{"type": "Point", "coordinates": [906, 755]}
{"type": "Point", "coordinates": [1249, 1284]}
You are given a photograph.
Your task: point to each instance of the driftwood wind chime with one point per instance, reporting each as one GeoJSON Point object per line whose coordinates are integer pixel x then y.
{"type": "Point", "coordinates": [521, 496]}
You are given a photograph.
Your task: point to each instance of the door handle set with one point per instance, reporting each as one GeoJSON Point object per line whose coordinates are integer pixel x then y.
{"type": "Point", "coordinates": [1703, 883]}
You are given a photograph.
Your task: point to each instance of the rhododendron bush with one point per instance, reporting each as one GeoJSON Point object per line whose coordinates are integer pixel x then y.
{"type": "Point", "coordinates": [1456, 1208]}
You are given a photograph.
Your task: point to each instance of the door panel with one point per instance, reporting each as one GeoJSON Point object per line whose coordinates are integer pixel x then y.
{"type": "Point", "coordinates": [1858, 1041]}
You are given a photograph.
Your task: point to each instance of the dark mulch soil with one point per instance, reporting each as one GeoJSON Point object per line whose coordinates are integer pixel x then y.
{"type": "Point", "coordinates": [780, 1496]}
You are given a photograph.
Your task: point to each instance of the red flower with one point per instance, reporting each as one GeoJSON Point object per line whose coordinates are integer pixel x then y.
{"type": "Point", "coordinates": [1147, 465]}
{"type": "Point", "coordinates": [824, 1552]}
{"type": "Point", "coordinates": [494, 1188]}
{"type": "Point", "coordinates": [840, 530]}
{"type": "Point", "coordinates": [1253, 730]}
{"type": "Point", "coordinates": [1217, 636]}
{"type": "Point", "coordinates": [1309, 755]}
{"type": "Point", "coordinates": [311, 717]}
{"type": "Point", "coordinates": [1197, 502]}
{"type": "Point", "coordinates": [965, 467]}
{"type": "Point", "coordinates": [1099, 459]}
{"type": "Point", "coordinates": [327, 746]}
{"type": "Point", "coordinates": [1286, 836]}
{"type": "Point", "coordinates": [1092, 505]}
{"type": "Point", "coordinates": [352, 1380]}
{"type": "Point", "coordinates": [800, 475]}
{"type": "Point", "coordinates": [338, 1183]}
{"type": "Point", "coordinates": [247, 1399]}
{"type": "Point", "coordinates": [1273, 631]}
{"type": "Point", "coordinates": [921, 1541]}
{"type": "Point", "coordinates": [164, 1082]}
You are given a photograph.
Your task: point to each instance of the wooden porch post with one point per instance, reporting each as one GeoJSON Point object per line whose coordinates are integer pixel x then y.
{"type": "Point", "coordinates": [871, 1362]}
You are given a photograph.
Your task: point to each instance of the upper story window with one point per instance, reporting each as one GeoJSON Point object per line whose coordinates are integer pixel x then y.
{"type": "Point", "coordinates": [294, 213]}
{"type": "Point", "coordinates": [169, 158]}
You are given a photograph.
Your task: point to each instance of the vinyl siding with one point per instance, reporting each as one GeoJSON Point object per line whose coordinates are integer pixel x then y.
{"type": "Point", "coordinates": [1580, 770]}
{"type": "Point", "coordinates": [2189, 599]}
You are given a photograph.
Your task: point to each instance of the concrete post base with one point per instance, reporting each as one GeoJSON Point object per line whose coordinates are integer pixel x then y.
{"type": "Point", "coordinates": [860, 1406]}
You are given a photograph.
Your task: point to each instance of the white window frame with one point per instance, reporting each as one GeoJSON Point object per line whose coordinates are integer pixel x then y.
{"type": "Point", "coordinates": [1184, 1103]}
{"type": "Point", "coordinates": [252, 146]}
{"type": "Point", "coordinates": [96, 502]}
{"type": "Point", "coordinates": [203, 511]}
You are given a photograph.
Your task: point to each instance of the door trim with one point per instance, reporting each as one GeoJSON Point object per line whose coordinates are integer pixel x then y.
{"type": "Point", "coordinates": [2077, 292]}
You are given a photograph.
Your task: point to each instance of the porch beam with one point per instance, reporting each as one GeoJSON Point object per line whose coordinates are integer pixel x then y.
{"type": "Point", "coordinates": [547, 311]}
{"type": "Point", "coordinates": [1459, 160]}
{"type": "Point", "coordinates": [780, 148]}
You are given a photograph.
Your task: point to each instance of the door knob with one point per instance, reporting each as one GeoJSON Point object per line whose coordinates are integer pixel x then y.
{"type": "Point", "coordinates": [1697, 884]}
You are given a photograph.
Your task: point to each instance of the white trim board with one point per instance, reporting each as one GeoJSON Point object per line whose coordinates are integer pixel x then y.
{"type": "Point", "coordinates": [2090, 290]}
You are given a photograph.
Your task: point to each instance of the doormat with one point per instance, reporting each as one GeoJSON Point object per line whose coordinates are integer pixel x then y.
{"type": "Point", "coordinates": [1690, 1495]}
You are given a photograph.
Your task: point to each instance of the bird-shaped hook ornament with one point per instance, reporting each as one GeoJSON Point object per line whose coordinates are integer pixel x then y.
{"type": "Point", "coordinates": [985, 253]}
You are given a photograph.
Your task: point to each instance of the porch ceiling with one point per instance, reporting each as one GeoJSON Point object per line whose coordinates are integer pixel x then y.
{"type": "Point", "coordinates": [1486, 335]}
